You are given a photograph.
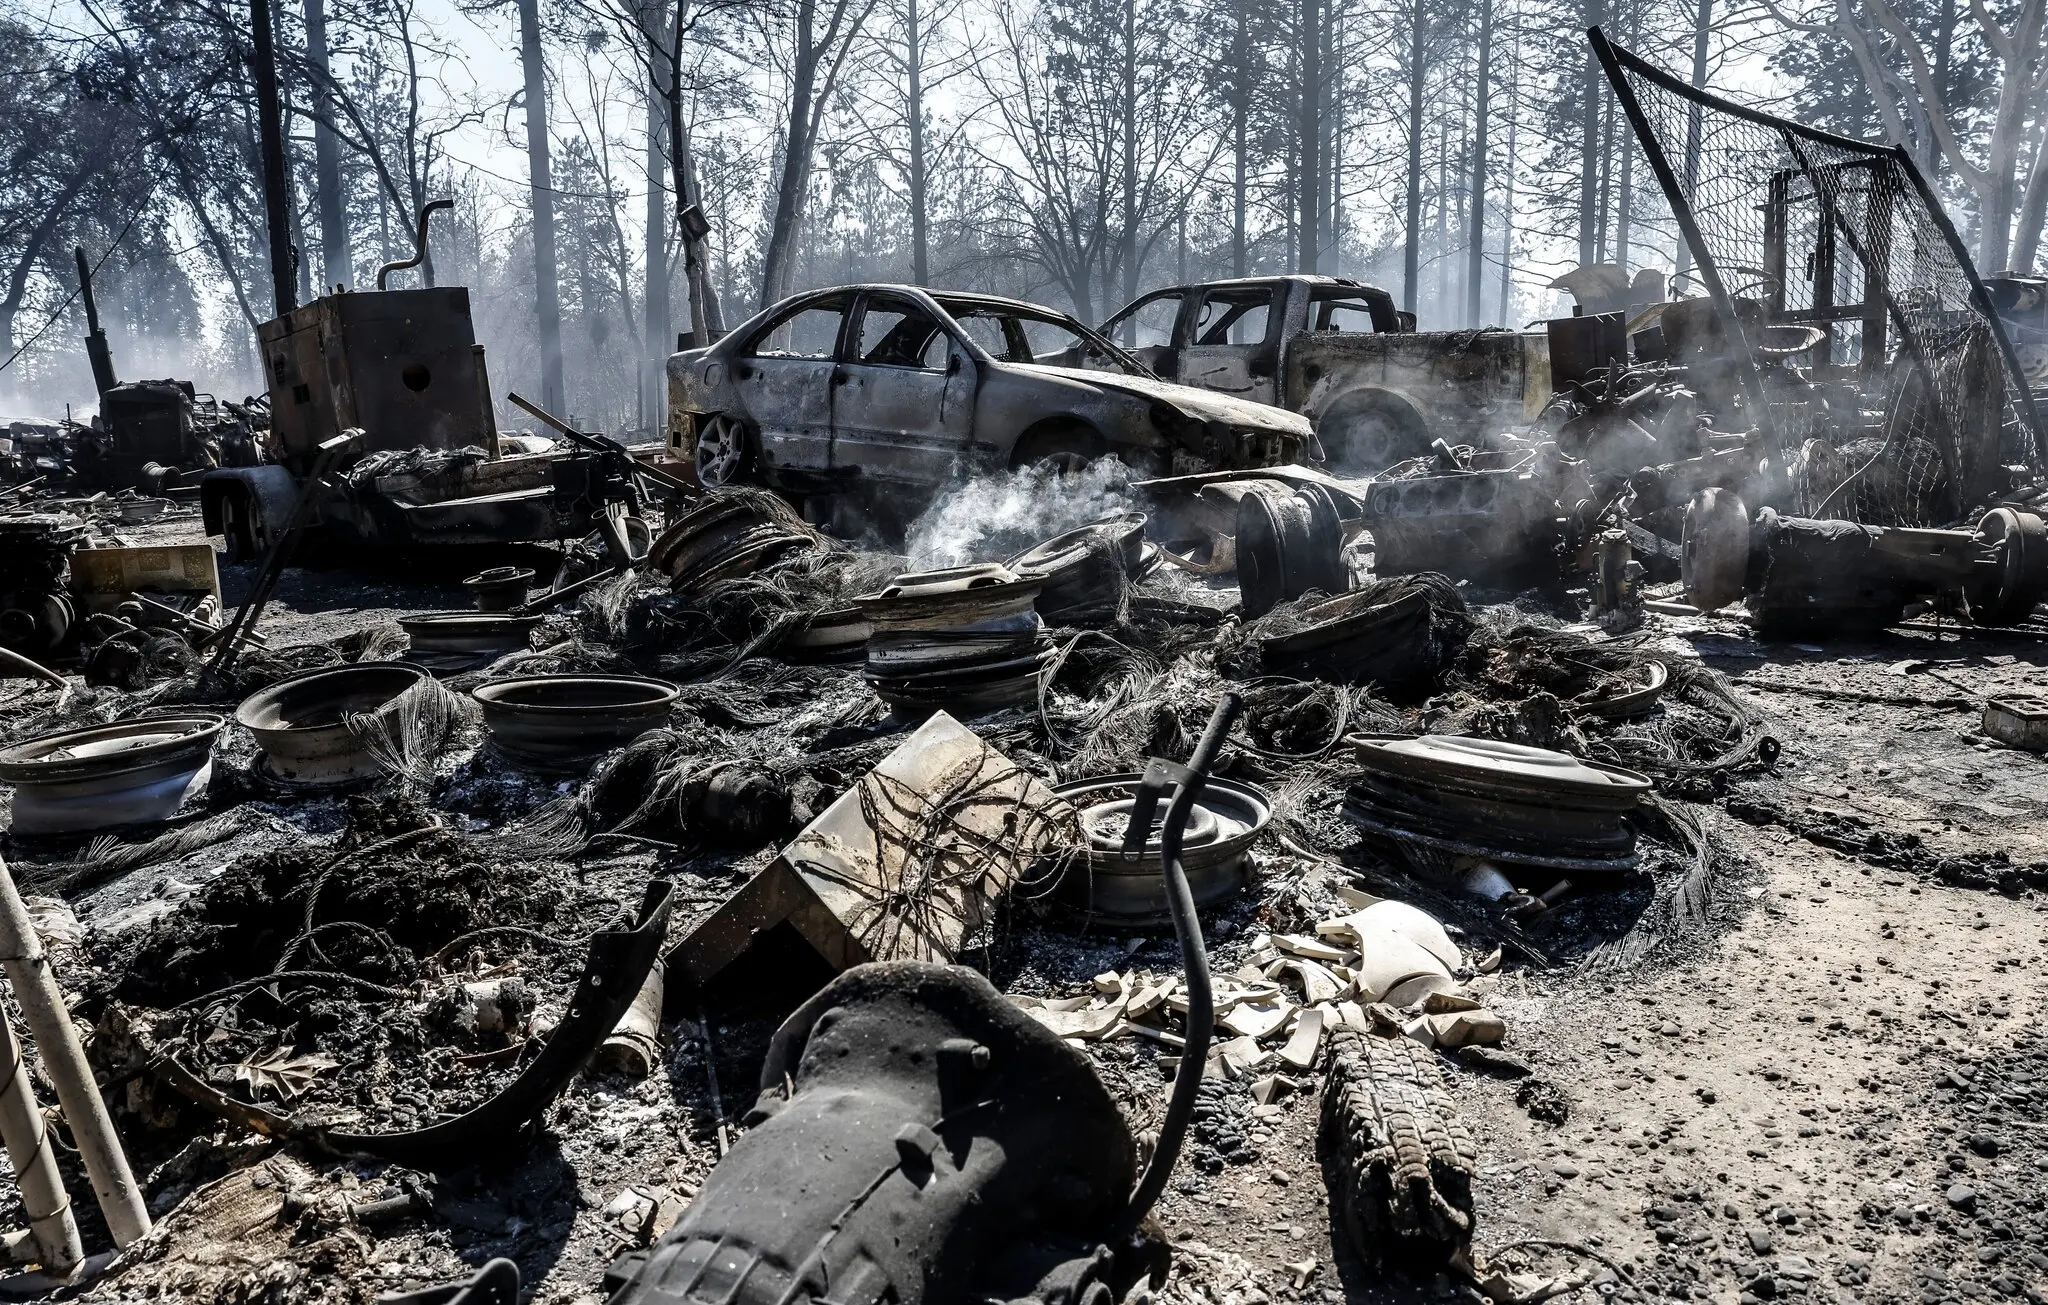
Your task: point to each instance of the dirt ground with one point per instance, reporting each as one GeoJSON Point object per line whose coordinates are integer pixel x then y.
{"type": "Point", "coordinates": [1840, 1095]}
{"type": "Point", "coordinates": [1843, 1097]}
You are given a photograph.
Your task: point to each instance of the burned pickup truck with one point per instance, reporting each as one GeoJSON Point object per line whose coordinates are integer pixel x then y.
{"type": "Point", "coordinates": [1338, 352]}
{"type": "Point", "coordinates": [909, 389]}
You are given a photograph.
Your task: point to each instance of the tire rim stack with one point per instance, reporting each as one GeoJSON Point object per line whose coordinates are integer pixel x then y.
{"type": "Point", "coordinates": [726, 536]}
{"type": "Point", "coordinates": [967, 639]}
{"type": "Point", "coordinates": [1495, 801]}
{"type": "Point", "coordinates": [1087, 570]}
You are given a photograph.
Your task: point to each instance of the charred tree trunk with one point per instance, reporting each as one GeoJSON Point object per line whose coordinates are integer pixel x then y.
{"type": "Point", "coordinates": [302, 267]}
{"type": "Point", "coordinates": [31, 250]}
{"type": "Point", "coordinates": [814, 70]}
{"type": "Point", "coordinates": [337, 258]}
{"type": "Point", "coordinates": [654, 289]}
{"type": "Point", "coordinates": [1703, 23]}
{"type": "Point", "coordinates": [1127, 252]}
{"type": "Point", "coordinates": [1442, 246]}
{"type": "Point", "coordinates": [2033, 209]}
{"type": "Point", "coordinates": [913, 113]}
{"type": "Point", "coordinates": [1333, 146]}
{"type": "Point", "coordinates": [1944, 54]}
{"type": "Point", "coordinates": [1507, 199]}
{"type": "Point", "coordinates": [277, 205]}
{"type": "Point", "coordinates": [1603, 206]}
{"type": "Point", "coordinates": [1411, 258]}
{"type": "Point", "coordinates": [547, 294]}
{"type": "Point", "coordinates": [2005, 155]}
{"type": "Point", "coordinates": [1475, 221]}
{"type": "Point", "coordinates": [1621, 146]}
{"type": "Point", "coordinates": [1240, 141]}
{"type": "Point", "coordinates": [793, 183]}
{"type": "Point", "coordinates": [1309, 132]}
{"type": "Point", "coordinates": [707, 319]}
{"type": "Point", "coordinates": [1592, 86]}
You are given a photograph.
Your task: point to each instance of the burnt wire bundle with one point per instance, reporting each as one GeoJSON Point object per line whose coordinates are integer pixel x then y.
{"type": "Point", "coordinates": [731, 620]}
{"type": "Point", "coordinates": [1527, 683]}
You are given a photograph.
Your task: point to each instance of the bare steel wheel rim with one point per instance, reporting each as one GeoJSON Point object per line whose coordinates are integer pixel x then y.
{"type": "Point", "coordinates": [721, 447]}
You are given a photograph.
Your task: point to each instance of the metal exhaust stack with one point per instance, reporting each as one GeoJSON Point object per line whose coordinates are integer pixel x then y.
{"type": "Point", "coordinates": [95, 339]}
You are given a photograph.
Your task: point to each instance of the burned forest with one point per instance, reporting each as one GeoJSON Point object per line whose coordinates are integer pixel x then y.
{"type": "Point", "coordinates": [1096, 652]}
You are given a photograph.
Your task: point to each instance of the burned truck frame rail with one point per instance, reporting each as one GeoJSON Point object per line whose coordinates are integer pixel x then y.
{"type": "Point", "coordinates": [1756, 196]}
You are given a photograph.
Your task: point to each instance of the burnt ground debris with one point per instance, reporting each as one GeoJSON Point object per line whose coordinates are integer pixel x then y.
{"type": "Point", "coordinates": [381, 954]}
{"type": "Point", "coordinates": [534, 1209]}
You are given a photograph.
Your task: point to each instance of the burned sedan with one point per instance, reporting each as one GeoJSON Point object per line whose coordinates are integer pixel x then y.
{"type": "Point", "coordinates": [911, 389]}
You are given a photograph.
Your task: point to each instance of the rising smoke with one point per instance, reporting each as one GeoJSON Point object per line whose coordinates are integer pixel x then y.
{"type": "Point", "coordinates": [992, 517]}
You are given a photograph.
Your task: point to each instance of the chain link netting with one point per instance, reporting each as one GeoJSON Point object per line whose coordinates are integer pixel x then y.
{"type": "Point", "coordinates": [1903, 413]}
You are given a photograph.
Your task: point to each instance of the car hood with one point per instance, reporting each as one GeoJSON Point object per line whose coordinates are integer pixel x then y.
{"type": "Point", "coordinates": [1202, 405]}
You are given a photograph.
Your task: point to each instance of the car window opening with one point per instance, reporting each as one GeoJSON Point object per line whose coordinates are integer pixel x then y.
{"type": "Point", "coordinates": [894, 333]}
{"type": "Point", "coordinates": [809, 332]}
{"type": "Point", "coordinates": [1234, 315]}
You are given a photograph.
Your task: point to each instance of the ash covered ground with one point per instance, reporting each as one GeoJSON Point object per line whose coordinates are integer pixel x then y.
{"type": "Point", "coordinates": [1800, 1059]}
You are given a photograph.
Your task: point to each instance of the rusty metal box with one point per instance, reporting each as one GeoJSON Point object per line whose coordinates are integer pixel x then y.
{"type": "Point", "coordinates": [103, 577]}
{"type": "Point", "coordinates": [399, 364]}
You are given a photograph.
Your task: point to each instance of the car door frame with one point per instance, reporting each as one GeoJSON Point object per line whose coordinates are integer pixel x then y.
{"type": "Point", "coordinates": [1162, 360]}
{"type": "Point", "coordinates": [1260, 360]}
{"type": "Point", "coordinates": [789, 400]}
{"type": "Point", "coordinates": [874, 402]}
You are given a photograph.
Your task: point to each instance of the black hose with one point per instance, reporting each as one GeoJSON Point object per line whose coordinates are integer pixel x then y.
{"type": "Point", "coordinates": [1180, 899]}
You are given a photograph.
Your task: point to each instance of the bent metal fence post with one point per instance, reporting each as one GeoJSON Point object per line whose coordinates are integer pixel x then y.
{"type": "Point", "coordinates": [1792, 224]}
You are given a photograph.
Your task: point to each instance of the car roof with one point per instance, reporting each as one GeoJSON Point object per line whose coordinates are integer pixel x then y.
{"type": "Point", "coordinates": [1342, 281]}
{"type": "Point", "coordinates": [943, 297]}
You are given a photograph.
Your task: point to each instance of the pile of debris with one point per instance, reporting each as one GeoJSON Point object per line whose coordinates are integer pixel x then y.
{"type": "Point", "coordinates": [1384, 967]}
{"type": "Point", "coordinates": [732, 758]}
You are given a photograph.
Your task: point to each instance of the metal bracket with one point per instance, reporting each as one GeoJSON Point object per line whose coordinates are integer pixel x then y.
{"type": "Point", "coordinates": [1160, 775]}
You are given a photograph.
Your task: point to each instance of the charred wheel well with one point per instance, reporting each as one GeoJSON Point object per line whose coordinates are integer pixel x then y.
{"type": "Point", "coordinates": [1055, 436]}
{"type": "Point", "coordinates": [1369, 429]}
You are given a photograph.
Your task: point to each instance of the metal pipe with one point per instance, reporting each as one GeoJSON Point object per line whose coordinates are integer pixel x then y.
{"type": "Point", "coordinates": [53, 1232]}
{"type": "Point", "coordinates": [1180, 899]}
{"type": "Point", "coordinates": [49, 1023]}
{"type": "Point", "coordinates": [419, 243]}
{"type": "Point", "coordinates": [96, 350]}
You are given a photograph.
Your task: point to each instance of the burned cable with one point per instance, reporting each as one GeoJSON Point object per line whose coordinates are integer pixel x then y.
{"type": "Point", "coordinates": [1180, 899]}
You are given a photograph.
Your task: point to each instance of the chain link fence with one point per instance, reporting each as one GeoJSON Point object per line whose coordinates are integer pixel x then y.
{"type": "Point", "coordinates": [1912, 411]}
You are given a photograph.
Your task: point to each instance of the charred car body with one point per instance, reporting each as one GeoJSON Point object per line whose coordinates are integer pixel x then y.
{"type": "Point", "coordinates": [909, 389]}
